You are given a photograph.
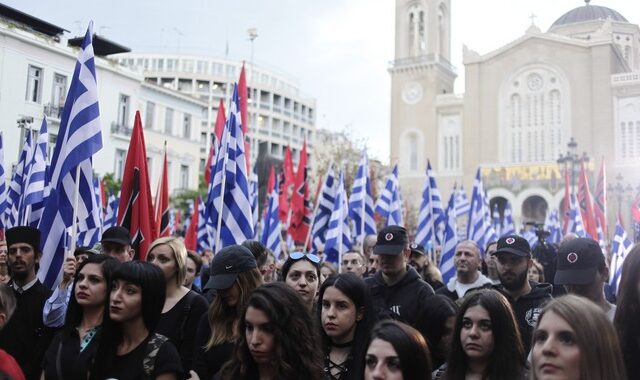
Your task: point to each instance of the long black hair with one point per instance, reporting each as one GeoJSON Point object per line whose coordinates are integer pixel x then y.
{"type": "Point", "coordinates": [358, 292]}
{"type": "Point", "coordinates": [75, 312]}
{"type": "Point", "coordinates": [628, 313]}
{"type": "Point", "coordinates": [507, 361]}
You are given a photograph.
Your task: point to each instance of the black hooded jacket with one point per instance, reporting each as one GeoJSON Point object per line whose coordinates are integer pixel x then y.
{"type": "Point", "coordinates": [527, 308]}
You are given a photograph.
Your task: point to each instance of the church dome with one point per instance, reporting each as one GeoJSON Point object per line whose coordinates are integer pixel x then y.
{"type": "Point", "coordinates": [588, 13]}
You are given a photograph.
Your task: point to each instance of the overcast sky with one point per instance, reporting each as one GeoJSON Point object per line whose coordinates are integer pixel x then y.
{"type": "Point", "coordinates": [336, 50]}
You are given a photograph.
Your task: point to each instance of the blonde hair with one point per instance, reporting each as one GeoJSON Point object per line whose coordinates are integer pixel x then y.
{"type": "Point", "coordinates": [179, 254]}
{"type": "Point", "coordinates": [597, 340]}
{"type": "Point", "coordinates": [223, 318]}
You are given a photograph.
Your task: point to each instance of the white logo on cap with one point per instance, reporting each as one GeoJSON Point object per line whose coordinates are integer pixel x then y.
{"type": "Point", "coordinates": [572, 257]}
{"type": "Point", "coordinates": [414, 245]}
{"type": "Point", "coordinates": [510, 240]}
{"type": "Point", "coordinates": [228, 267]}
{"type": "Point", "coordinates": [388, 237]}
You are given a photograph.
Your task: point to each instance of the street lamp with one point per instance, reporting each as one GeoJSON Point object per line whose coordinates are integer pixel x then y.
{"type": "Point", "coordinates": [572, 157]}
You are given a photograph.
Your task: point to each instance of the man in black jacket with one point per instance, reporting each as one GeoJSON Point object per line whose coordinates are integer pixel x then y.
{"type": "Point", "coordinates": [527, 297]}
{"type": "Point", "coordinates": [397, 290]}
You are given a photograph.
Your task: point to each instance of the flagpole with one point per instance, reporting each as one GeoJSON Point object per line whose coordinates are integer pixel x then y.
{"type": "Point", "coordinates": [74, 223]}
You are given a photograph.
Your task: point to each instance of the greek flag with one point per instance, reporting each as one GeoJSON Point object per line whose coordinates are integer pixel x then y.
{"type": "Point", "coordinates": [431, 215]}
{"type": "Point", "coordinates": [389, 204]}
{"type": "Point", "coordinates": [204, 233]}
{"type": "Point", "coordinates": [112, 211]}
{"type": "Point", "coordinates": [338, 233]}
{"type": "Point", "coordinates": [37, 183]}
{"type": "Point", "coordinates": [508, 227]}
{"type": "Point", "coordinates": [228, 200]}
{"type": "Point", "coordinates": [497, 225]}
{"type": "Point", "coordinates": [575, 218]}
{"type": "Point", "coordinates": [601, 239]}
{"type": "Point", "coordinates": [3, 189]}
{"type": "Point", "coordinates": [620, 248]}
{"type": "Point", "coordinates": [323, 210]}
{"type": "Point", "coordinates": [253, 197]}
{"type": "Point", "coordinates": [553, 226]}
{"type": "Point", "coordinates": [361, 202]}
{"type": "Point", "coordinates": [79, 137]}
{"type": "Point", "coordinates": [15, 198]}
{"type": "Point", "coordinates": [271, 234]}
{"type": "Point", "coordinates": [89, 208]}
{"type": "Point", "coordinates": [462, 202]}
{"type": "Point", "coordinates": [531, 237]}
{"type": "Point", "coordinates": [479, 225]}
{"type": "Point", "coordinates": [450, 241]}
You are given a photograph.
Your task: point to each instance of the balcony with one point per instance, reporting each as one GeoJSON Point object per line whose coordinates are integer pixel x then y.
{"type": "Point", "coordinates": [122, 130]}
{"type": "Point", "coordinates": [53, 111]}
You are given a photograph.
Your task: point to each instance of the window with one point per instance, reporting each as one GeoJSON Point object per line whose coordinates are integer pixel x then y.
{"type": "Point", "coordinates": [59, 90]}
{"type": "Point", "coordinates": [184, 176]}
{"type": "Point", "coordinates": [34, 84]}
{"type": "Point", "coordinates": [123, 110]}
{"type": "Point", "coordinates": [149, 115]}
{"type": "Point", "coordinates": [186, 126]}
{"type": "Point", "coordinates": [168, 121]}
{"type": "Point", "coordinates": [119, 164]}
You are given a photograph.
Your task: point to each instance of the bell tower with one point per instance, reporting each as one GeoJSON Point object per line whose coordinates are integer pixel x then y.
{"type": "Point", "coordinates": [420, 71]}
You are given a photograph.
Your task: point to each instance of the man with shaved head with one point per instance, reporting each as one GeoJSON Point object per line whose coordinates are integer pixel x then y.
{"type": "Point", "coordinates": [467, 262]}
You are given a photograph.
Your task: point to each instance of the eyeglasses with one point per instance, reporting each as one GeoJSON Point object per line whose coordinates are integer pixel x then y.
{"type": "Point", "coordinates": [299, 255]}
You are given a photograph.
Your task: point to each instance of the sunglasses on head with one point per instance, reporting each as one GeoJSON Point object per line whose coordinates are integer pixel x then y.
{"type": "Point", "coordinates": [299, 255]}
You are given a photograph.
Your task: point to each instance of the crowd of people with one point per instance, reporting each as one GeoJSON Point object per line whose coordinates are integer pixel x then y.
{"type": "Point", "coordinates": [383, 312]}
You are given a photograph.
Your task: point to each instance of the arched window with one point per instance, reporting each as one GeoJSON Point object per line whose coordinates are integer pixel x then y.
{"type": "Point", "coordinates": [417, 30]}
{"type": "Point", "coordinates": [450, 142]}
{"type": "Point", "coordinates": [411, 157]}
{"type": "Point", "coordinates": [443, 32]}
{"type": "Point", "coordinates": [413, 152]}
{"type": "Point", "coordinates": [534, 119]}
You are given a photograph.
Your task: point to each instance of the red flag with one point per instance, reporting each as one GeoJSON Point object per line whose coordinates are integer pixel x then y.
{"type": "Point", "coordinates": [177, 223]}
{"type": "Point", "coordinates": [272, 179]}
{"type": "Point", "coordinates": [220, 120]}
{"type": "Point", "coordinates": [207, 166]}
{"type": "Point", "coordinates": [600, 200]}
{"type": "Point", "coordinates": [218, 130]}
{"type": "Point", "coordinates": [586, 207]}
{"type": "Point", "coordinates": [103, 195]}
{"type": "Point", "coordinates": [287, 167]}
{"type": "Point", "coordinates": [300, 204]}
{"type": "Point", "coordinates": [243, 94]}
{"type": "Point", "coordinates": [191, 237]}
{"type": "Point", "coordinates": [162, 202]}
{"type": "Point", "coordinates": [567, 200]}
{"type": "Point", "coordinates": [635, 209]}
{"type": "Point", "coordinates": [136, 209]}
{"type": "Point", "coordinates": [283, 200]}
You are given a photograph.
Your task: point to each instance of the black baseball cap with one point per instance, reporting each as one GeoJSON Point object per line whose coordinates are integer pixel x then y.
{"type": "Point", "coordinates": [227, 264]}
{"type": "Point", "coordinates": [116, 234]}
{"type": "Point", "coordinates": [23, 234]}
{"type": "Point", "coordinates": [417, 249]}
{"type": "Point", "coordinates": [578, 261]}
{"type": "Point", "coordinates": [391, 241]}
{"type": "Point", "coordinates": [514, 244]}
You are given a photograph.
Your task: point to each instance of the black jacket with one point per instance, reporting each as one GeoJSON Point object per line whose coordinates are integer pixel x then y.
{"type": "Point", "coordinates": [411, 300]}
{"type": "Point", "coordinates": [527, 308]}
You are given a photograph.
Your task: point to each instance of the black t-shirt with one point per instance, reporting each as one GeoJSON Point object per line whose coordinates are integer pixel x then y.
{"type": "Point", "coordinates": [73, 363]}
{"type": "Point", "coordinates": [129, 366]}
{"type": "Point", "coordinates": [180, 324]}
{"type": "Point", "coordinates": [207, 363]}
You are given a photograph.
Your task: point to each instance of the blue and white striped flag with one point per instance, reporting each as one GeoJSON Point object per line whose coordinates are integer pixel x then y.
{"type": "Point", "coordinates": [389, 204]}
{"type": "Point", "coordinates": [89, 208]}
{"type": "Point", "coordinates": [111, 215]}
{"type": "Point", "coordinates": [575, 218]}
{"type": "Point", "coordinates": [3, 188]}
{"type": "Point", "coordinates": [462, 202]}
{"type": "Point", "coordinates": [450, 241]}
{"type": "Point", "coordinates": [553, 226]}
{"type": "Point", "coordinates": [79, 138]}
{"type": "Point", "coordinates": [431, 215]}
{"type": "Point", "coordinates": [253, 198]}
{"type": "Point", "coordinates": [601, 239]}
{"type": "Point", "coordinates": [495, 219]}
{"type": "Point", "coordinates": [479, 224]}
{"type": "Point", "coordinates": [272, 231]}
{"type": "Point", "coordinates": [508, 226]}
{"type": "Point", "coordinates": [37, 181]}
{"type": "Point", "coordinates": [14, 212]}
{"type": "Point", "coordinates": [338, 233]}
{"type": "Point", "coordinates": [361, 202]}
{"type": "Point", "coordinates": [531, 237]}
{"type": "Point", "coordinates": [323, 210]}
{"type": "Point", "coordinates": [620, 248]}
{"type": "Point", "coordinates": [204, 233]}
{"type": "Point", "coordinates": [228, 201]}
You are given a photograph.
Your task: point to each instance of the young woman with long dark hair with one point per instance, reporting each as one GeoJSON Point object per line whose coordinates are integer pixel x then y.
{"type": "Point", "coordinates": [346, 315]}
{"type": "Point", "coordinates": [301, 271]}
{"type": "Point", "coordinates": [129, 347]}
{"type": "Point", "coordinates": [73, 349]}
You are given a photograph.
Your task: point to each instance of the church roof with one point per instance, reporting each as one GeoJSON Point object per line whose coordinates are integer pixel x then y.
{"type": "Point", "coordinates": [588, 13]}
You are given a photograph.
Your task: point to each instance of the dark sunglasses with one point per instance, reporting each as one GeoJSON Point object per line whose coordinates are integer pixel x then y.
{"type": "Point", "coordinates": [300, 255]}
